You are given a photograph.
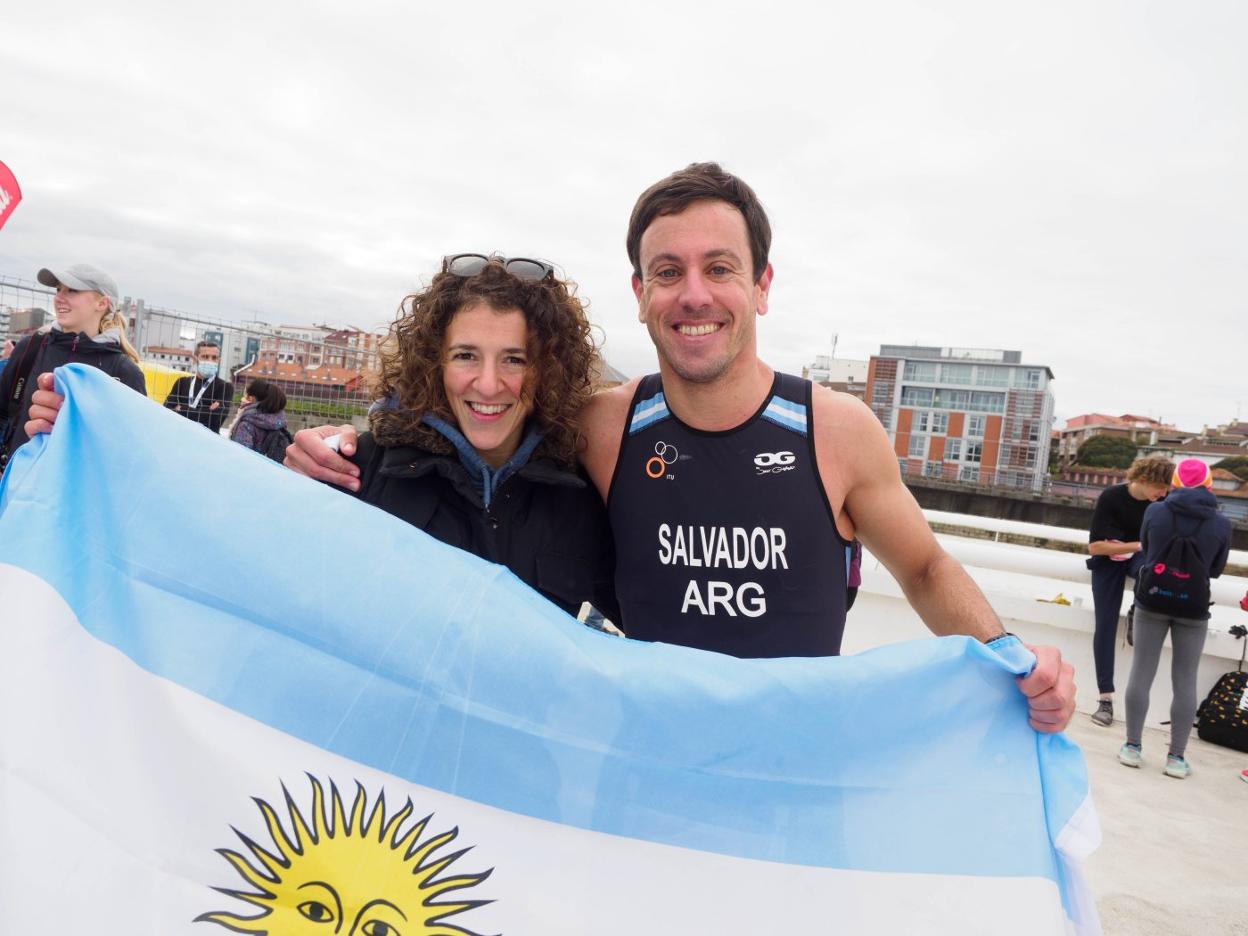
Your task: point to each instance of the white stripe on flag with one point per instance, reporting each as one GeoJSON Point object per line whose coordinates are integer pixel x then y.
{"type": "Point", "coordinates": [118, 787]}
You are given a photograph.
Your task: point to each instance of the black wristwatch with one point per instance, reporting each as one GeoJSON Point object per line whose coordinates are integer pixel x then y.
{"type": "Point", "coordinates": [1000, 636]}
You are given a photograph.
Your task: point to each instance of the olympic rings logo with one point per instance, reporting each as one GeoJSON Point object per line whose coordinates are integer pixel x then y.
{"type": "Point", "coordinates": [664, 455]}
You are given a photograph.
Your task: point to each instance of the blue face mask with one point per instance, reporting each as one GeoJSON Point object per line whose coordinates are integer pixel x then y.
{"type": "Point", "coordinates": [207, 369]}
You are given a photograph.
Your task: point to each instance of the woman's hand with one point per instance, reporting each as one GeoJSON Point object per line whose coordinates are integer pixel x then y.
{"type": "Point", "coordinates": [309, 455]}
{"type": "Point", "coordinates": [45, 403]}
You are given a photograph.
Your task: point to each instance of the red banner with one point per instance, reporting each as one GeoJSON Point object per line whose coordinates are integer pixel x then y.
{"type": "Point", "coordinates": [10, 194]}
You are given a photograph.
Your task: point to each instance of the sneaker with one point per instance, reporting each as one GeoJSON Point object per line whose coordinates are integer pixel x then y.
{"type": "Point", "coordinates": [1104, 714]}
{"type": "Point", "coordinates": [1177, 767]}
{"type": "Point", "coordinates": [1130, 755]}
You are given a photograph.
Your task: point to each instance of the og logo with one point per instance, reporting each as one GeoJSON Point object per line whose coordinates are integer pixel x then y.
{"type": "Point", "coordinates": [664, 455]}
{"type": "Point", "coordinates": [774, 462]}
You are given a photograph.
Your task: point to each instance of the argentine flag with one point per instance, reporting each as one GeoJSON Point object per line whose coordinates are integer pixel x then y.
{"type": "Point", "coordinates": [235, 701]}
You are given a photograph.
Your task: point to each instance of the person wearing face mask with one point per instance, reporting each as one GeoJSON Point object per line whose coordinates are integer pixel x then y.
{"type": "Point", "coordinates": [203, 397]}
{"type": "Point", "coordinates": [88, 329]}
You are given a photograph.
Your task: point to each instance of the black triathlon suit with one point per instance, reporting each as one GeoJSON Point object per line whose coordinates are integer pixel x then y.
{"type": "Point", "coordinates": [726, 541]}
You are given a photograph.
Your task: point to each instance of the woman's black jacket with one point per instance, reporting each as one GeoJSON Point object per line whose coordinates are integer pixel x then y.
{"type": "Point", "coordinates": [45, 351]}
{"type": "Point", "coordinates": [545, 522]}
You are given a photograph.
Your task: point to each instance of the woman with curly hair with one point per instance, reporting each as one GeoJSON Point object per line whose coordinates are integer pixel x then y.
{"type": "Point", "coordinates": [483, 375]}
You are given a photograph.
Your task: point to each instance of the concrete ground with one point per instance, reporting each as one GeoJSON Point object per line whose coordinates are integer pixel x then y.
{"type": "Point", "coordinates": [1175, 854]}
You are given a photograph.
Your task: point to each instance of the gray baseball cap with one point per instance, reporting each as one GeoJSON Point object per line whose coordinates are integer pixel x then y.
{"type": "Point", "coordinates": [82, 276]}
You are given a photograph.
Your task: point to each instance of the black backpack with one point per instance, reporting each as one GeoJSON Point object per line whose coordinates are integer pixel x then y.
{"type": "Point", "coordinates": [1177, 584]}
{"type": "Point", "coordinates": [1223, 717]}
{"type": "Point", "coordinates": [21, 373]}
{"type": "Point", "coordinates": [274, 444]}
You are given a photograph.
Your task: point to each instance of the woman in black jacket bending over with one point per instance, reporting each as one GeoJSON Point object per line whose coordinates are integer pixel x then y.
{"type": "Point", "coordinates": [482, 377]}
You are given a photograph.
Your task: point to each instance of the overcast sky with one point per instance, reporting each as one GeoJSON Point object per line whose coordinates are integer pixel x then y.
{"type": "Point", "coordinates": [1069, 179]}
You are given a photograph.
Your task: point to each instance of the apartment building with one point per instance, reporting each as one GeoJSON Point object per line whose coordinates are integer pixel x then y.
{"type": "Point", "coordinates": [1141, 430]}
{"type": "Point", "coordinates": [844, 374]}
{"type": "Point", "coordinates": [964, 414]}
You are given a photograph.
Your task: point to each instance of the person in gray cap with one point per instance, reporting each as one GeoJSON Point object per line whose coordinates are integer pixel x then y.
{"type": "Point", "coordinates": [88, 329]}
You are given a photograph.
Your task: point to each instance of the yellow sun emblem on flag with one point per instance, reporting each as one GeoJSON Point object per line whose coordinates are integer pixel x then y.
{"type": "Point", "coordinates": [356, 875]}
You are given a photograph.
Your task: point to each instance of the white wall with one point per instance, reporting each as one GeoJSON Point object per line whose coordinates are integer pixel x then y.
{"type": "Point", "coordinates": [1020, 582]}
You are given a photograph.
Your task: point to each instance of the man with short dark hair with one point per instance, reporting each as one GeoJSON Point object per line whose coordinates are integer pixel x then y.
{"type": "Point", "coordinates": [735, 491]}
{"type": "Point", "coordinates": [203, 397]}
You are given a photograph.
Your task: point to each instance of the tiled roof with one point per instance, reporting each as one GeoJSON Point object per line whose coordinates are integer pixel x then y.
{"type": "Point", "coordinates": [1205, 447]}
{"type": "Point", "coordinates": [1126, 420]}
{"type": "Point", "coordinates": [324, 376]}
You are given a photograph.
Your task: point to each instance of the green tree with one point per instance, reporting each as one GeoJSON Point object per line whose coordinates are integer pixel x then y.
{"type": "Point", "coordinates": [1106, 452]}
{"type": "Point", "coordinates": [1236, 465]}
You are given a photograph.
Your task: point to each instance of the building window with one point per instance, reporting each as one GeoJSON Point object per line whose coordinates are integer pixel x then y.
{"type": "Point", "coordinates": [975, 427]}
{"type": "Point", "coordinates": [944, 398]}
{"type": "Point", "coordinates": [955, 373]}
{"type": "Point", "coordinates": [920, 421]}
{"type": "Point", "coordinates": [1027, 378]}
{"type": "Point", "coordinates": [968, 473]}
{"type": "Point", "coordinates": [916, 396]}
{"type": "Point", "coordinates": [918, 446]}
{"type": "Point", "coordinates": [986, 376]}
{"type": "Point", "coordinates": [953, 449]}
{"type": "Point", "coordinates": [987, 402]}
{"type": "Point", "coordinates": [953, 399]}
{"type": "Point", "coordinates": [917, 370]}
{"type": "Point", "coordinates": [932, 470]}
{"type": "Point", "coordinates": [974, 451]}
{"type": "Point", "coordinates": [940, 423]}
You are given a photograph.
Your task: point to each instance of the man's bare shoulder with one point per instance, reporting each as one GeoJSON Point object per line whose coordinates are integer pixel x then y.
{"type": "Point", "coordinates": [602, 423]}
{"type": "Point", "coordinates": [842, 419]}
{"type": "Point", "coordinates": [852, 449]}
{"type": "Point", "coordinates": [607, 409]}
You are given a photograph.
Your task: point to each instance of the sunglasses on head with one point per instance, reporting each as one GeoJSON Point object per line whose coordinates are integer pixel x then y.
{"type": "Point", "coordinates": [522, 268]}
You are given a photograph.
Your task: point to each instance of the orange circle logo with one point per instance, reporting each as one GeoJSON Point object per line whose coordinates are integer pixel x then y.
{"type": "Point", "coordinates": [664, 455]}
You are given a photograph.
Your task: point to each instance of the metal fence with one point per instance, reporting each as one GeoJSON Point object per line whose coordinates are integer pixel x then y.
{"type": "Point", "coordinates": [325, 371]}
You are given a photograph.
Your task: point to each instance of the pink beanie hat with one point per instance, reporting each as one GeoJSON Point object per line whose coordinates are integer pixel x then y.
{"type": "Point", "coordinates": [1192, 472]}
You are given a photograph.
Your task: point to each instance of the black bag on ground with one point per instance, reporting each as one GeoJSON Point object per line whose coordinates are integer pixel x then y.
{"type": "Point", "coordinates": [1178, 583]}
{"type": "Point", "coordinates": [1223, 717]}
{"type": "Point", "coordinates": [274, 444]}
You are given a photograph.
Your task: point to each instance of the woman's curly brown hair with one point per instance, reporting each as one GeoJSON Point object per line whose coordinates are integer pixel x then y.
{"type": "Point", "coordinates": [562, 357]}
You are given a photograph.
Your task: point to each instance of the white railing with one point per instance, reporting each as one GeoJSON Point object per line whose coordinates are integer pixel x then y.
{"type": "Point", "coordinates": [1021, 583]}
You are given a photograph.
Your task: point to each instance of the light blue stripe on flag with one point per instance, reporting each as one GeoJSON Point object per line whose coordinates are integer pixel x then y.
{"type": "Point", "coordinates": [786, 413]}
{"type": "Point", "coordinates": [300, 608]}
{"type": "Point", "coordinates": [648, 412]}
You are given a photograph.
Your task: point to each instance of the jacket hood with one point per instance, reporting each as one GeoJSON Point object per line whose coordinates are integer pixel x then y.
{"type": "Point", "coordinates": [1192, 502]}
{"type": "Point", "coordinates": [268, 421]}
{"type": "Point", "coordinates": [477, 487]}
{"type": "Point", "coordinates": [106, 342]}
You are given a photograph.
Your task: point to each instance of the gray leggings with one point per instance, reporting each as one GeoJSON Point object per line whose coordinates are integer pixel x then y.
{"type": "Point", "coordinates": [1187, 640]}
